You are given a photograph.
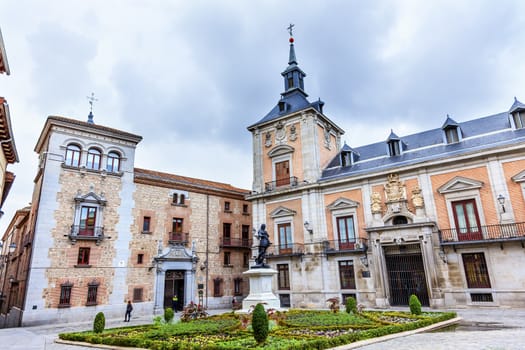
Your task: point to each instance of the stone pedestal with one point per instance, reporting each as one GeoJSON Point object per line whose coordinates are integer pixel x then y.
{"type": "Point", "coordinates": [261, 289]}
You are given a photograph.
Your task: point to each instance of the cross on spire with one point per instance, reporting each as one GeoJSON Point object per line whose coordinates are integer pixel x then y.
{"type": "Point", "coordinates": [290, 29]}
{"type": "Point", "coordinates": [91, 99]}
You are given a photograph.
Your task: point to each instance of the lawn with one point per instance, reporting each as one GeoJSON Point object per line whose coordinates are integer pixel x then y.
{"type": "Point", "coordinates": [294, 329]}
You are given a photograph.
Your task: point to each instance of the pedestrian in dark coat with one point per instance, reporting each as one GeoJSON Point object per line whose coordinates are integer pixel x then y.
{"type": "Point", "coordinates": [129, 308]}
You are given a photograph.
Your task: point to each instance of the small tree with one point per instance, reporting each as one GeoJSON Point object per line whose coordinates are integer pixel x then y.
{"type": "Point", "coordinates": [351, 305]}
{"type": "Point", "coordinates": [260, 324]}
{"type": "Point", "coordinates": [99, 323]}
{"type": "Point", "coordinates": [168, 315]}
{"type": "Point", "coordinates": [415, 305]}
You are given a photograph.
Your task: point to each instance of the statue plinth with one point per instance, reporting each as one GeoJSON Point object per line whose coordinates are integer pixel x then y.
{"type": "Point", "coordinates": [260, 289]}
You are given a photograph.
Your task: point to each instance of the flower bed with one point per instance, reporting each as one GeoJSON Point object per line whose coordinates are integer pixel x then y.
{"type": "Point", "coordinates": [295, 329]}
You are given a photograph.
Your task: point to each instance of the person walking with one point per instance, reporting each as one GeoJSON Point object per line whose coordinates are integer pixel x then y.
{"type": "Point", "coordinates": [129, 308]}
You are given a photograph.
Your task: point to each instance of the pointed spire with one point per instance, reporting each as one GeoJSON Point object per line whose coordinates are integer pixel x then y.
{"type": "Point", "coordinates": [292, 60]}
{"type": "Point", "coordinates": [293, 75]}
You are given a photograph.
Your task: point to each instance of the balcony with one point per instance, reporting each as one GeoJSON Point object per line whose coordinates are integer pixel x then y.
{"type": "Point", "coordinates": [178, 238]}
{"type": "Point", "coordinates": [291, 249]}
{"type": "Point", "coordinates": [90, 233]}
{"type": "Point", "coordinates": [338, 246]}
{"type": "Point", "coordinates": [281, 183]}
{"type": "Point", "coordinates": [228, 242]}
{"type": "Point", "coordinates": [483, 234]}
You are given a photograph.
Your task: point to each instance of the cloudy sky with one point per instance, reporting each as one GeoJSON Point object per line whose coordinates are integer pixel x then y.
{"type": "Point", "coordinates": [190, 76]}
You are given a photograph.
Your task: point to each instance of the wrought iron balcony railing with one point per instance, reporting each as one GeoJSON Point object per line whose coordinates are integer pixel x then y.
{"type": "Point", "coordinates": [228, 242]}
{"type": "Point", "coordinates": [86, 233]}
{"type": "Point", "coordinates": [286, 182]}
{"type": "Point", "coordinates": [178, 238]}
{"type": "Point", "coordinates": [290, 249]}
{"type": "Point", "coordinates": [338, 246]}
{"type": "Point", "coordinates": [500, 232]}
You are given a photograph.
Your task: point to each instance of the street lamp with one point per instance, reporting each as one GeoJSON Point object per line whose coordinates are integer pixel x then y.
{"type": "Point", "coordinates": [501, 201]}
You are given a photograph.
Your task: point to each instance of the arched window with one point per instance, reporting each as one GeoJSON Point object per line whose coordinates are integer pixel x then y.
{"type": "Point", "coordinates": [72, 155]}
{"type": "Point", "coordinates": [113, 165]}
{"type": "Point", "coordinates": [93, 159]}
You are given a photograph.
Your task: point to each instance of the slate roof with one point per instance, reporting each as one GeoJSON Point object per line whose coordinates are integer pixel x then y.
{"type": "Point", "coordinates": [478, 134]}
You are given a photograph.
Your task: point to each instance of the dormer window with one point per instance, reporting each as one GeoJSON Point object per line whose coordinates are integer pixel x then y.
{"type": "Point", "coordinates": [517, 113]}
{"type": "Point", "coordinates": [518, 118]}
{"type": "Point", "coordinates": [393, 144]}
{"type": "Point", "coordinates": [282, 106]}
{"type": "Point", "coordinates": [451, 134]}
{"type": "Point", "coordinates": [346, 159]}
{"type": "Point", "coordinates": [394, 148]}
{"type": "Point", "coordinates": [451, 131]}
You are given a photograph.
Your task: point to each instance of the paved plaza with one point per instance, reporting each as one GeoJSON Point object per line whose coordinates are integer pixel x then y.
{"type": "Point", "coordinates": [480, 329]}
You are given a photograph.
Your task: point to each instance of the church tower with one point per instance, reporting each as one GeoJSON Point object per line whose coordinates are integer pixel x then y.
{"type": "Point", "coordinates": [295, 140]}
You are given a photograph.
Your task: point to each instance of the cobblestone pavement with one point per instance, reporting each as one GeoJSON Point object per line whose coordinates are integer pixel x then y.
{"type": "Point", "coordinates": [480, 329]}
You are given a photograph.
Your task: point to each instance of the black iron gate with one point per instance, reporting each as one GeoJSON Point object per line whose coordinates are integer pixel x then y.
{"type": "Point", "coordinates": [406, 274]}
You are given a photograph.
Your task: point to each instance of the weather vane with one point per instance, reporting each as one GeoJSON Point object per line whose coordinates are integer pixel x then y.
{"type": "Point", "coordinates": [91, 99]}
{"type": "Point", "coordinates": [290, 29]}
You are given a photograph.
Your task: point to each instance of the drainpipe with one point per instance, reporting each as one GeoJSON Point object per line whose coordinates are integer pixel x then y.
{"type": "Point", "coordinates": [207, 243]}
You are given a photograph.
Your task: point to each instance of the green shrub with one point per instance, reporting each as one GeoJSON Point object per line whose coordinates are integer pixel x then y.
{"type": "Point", "coordinates": [99, 323]}
{"type": "Point", "coordinates": [168, 315]}
{"type": "Point", "coordinates": [260, 324]}
{"type": "Point", "coordinates": [415, 305]}
{"type": "Point", "coordinates": [351, 305]}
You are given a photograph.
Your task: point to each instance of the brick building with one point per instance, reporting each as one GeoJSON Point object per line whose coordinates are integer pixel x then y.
{"type": "Point", "coordinates": [439, 214]}
{"type": "Point", "coordinates": [101, 232]}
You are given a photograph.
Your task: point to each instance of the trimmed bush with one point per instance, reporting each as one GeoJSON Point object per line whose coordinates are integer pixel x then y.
{"type": "Point", "coordinates": [415, 305]}
{"type": "Point", "coordinates": [99, 323]}
{"type": "Point", "coordinates": [260, 324]}
{"type": "Point", "coordinates": [351, 305]}
{"type": "Point", "coordinates": [168, 315]}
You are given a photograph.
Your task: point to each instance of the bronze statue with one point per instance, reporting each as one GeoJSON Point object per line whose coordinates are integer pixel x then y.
{"type": "Point", "coordinates": [264, 243]}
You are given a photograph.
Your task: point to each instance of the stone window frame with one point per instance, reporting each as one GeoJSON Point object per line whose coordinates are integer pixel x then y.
{"type": "Point", "coordinates": [462, 189]}
{"type": "Point", "coordinates": [90, 199]}
{"type": "Point", "coordinates": [343, 207]}
{"type": "Point", "coordinates": [282, 215]}
{"type": "Point", "coordinates": [490, 272]}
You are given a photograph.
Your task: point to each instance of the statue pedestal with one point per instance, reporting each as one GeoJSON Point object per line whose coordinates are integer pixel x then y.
{"type": "Point", "coordinates": [260, 289]}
